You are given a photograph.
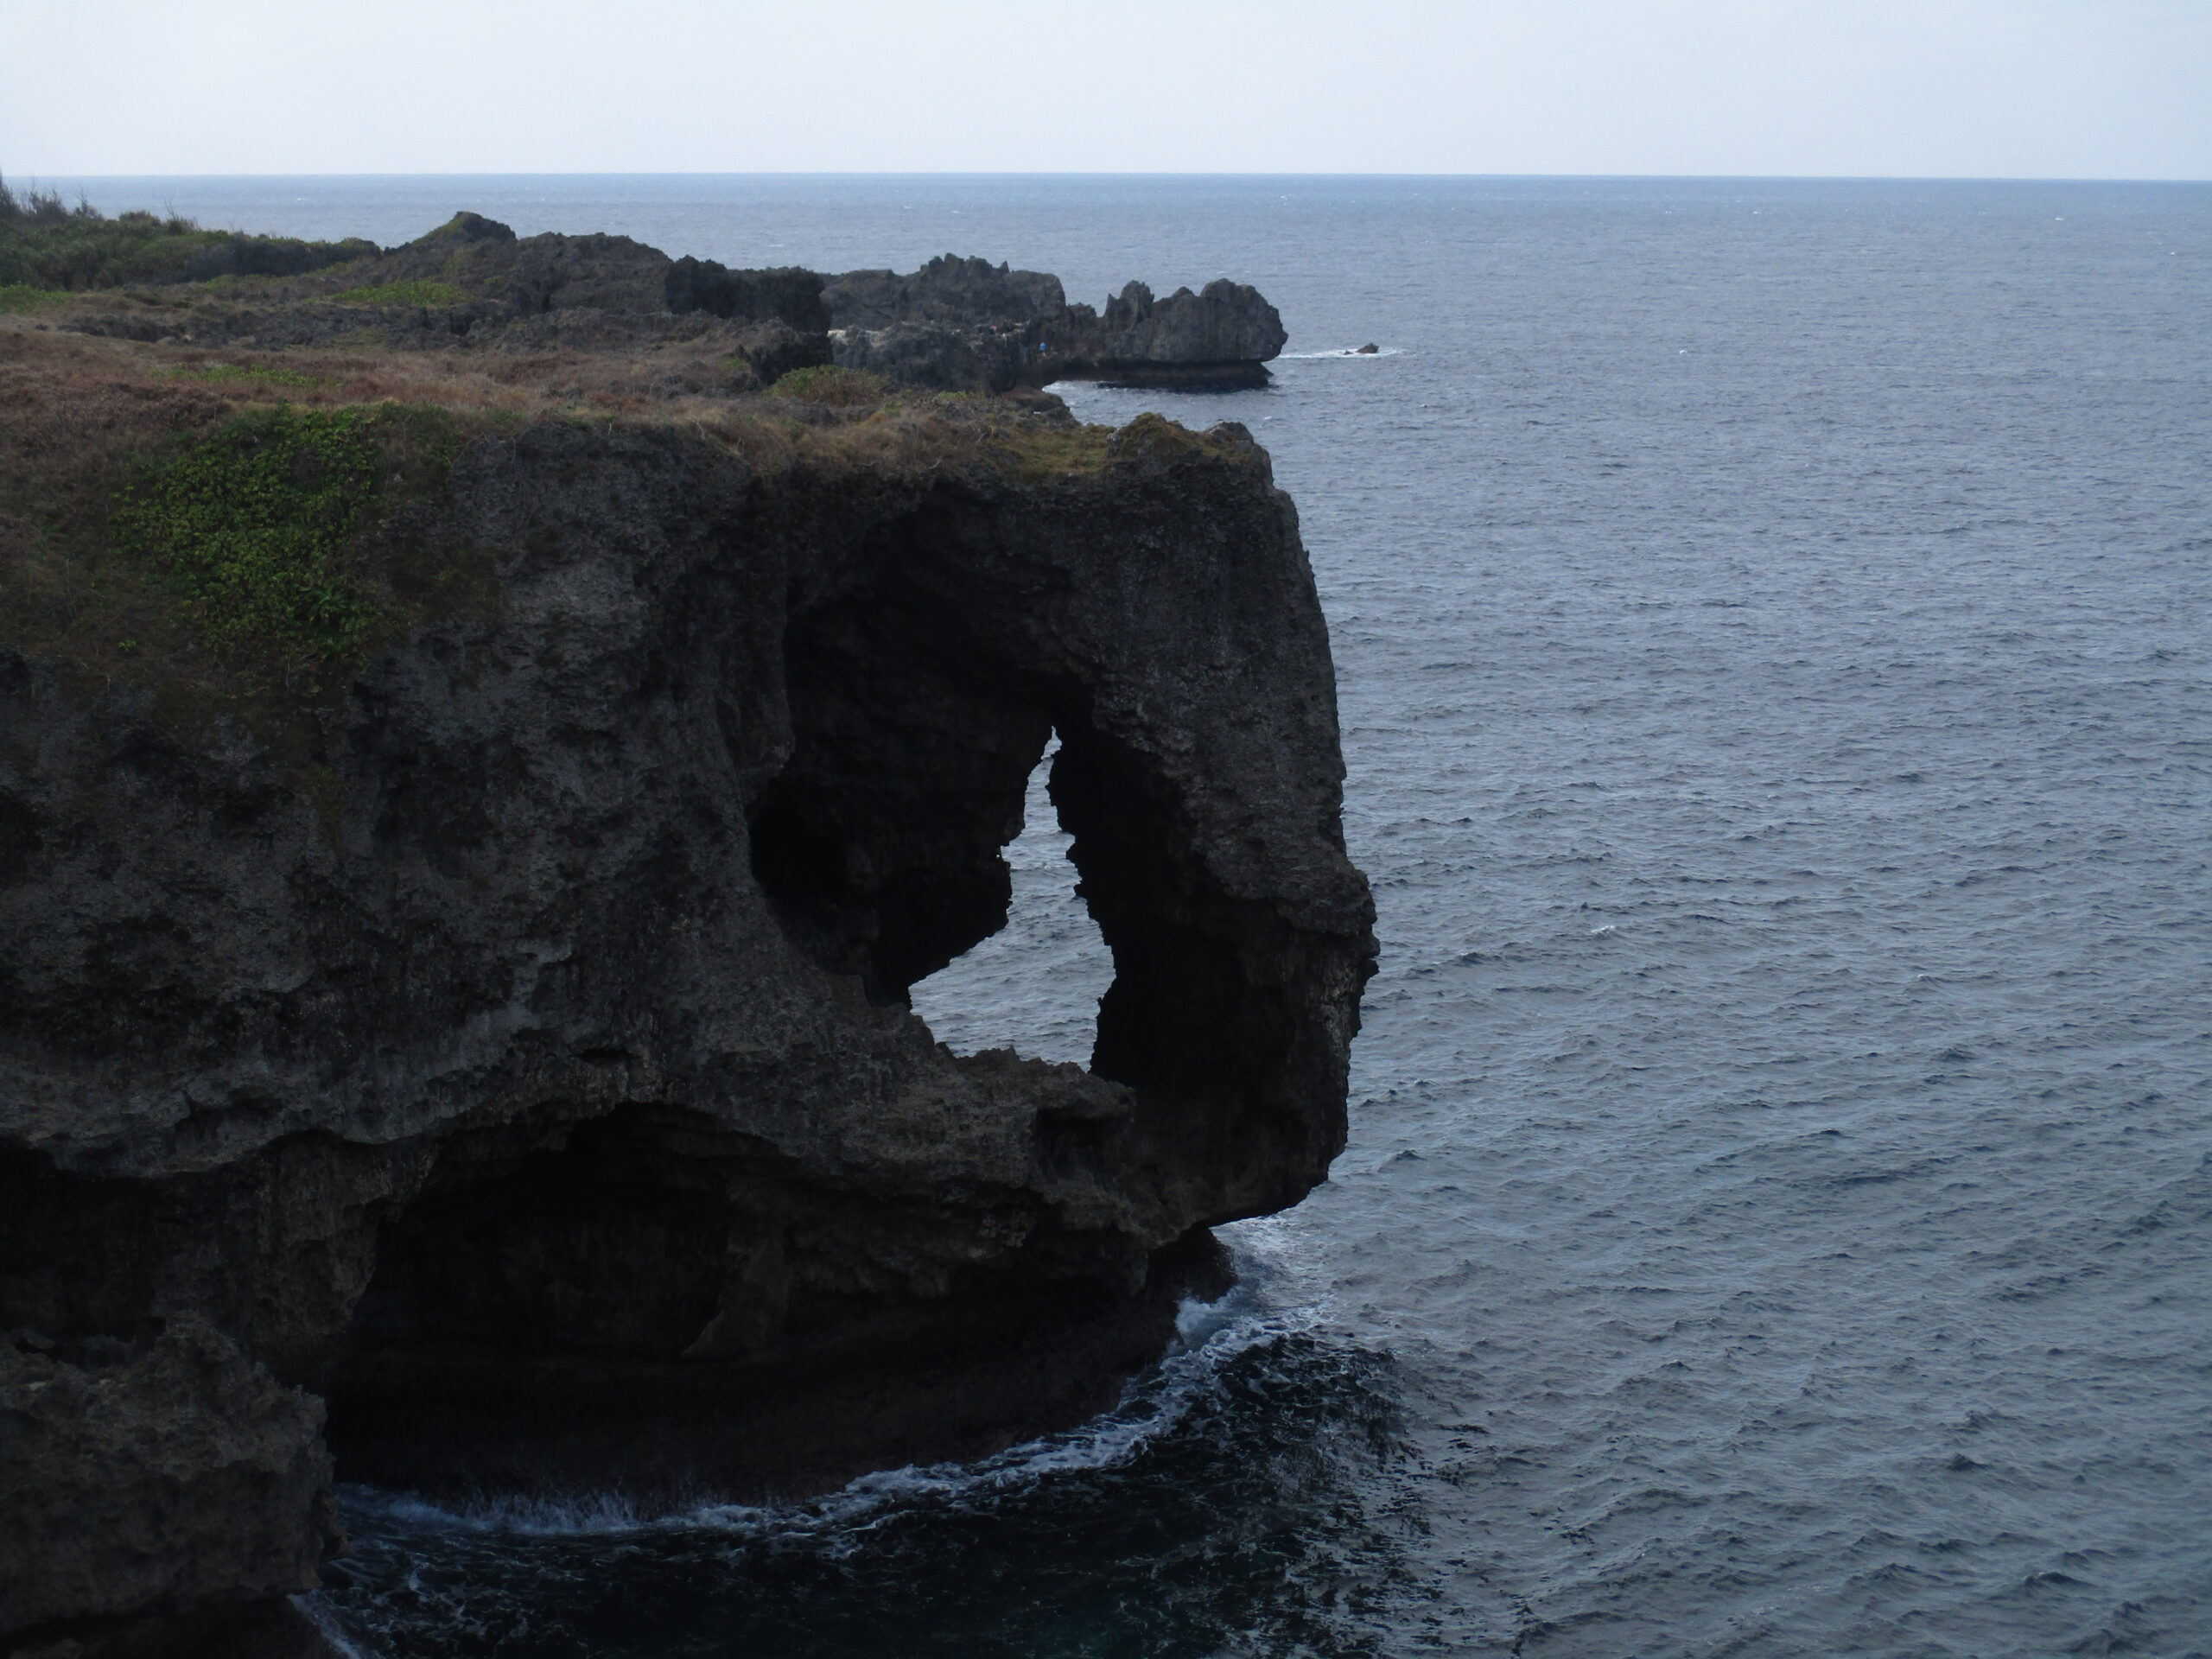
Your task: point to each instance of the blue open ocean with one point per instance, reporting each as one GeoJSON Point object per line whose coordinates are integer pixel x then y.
{"type": "Point", "coordinates": [1772, 627]}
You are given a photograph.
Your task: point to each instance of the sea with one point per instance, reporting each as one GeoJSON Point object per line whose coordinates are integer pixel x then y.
{"type": "Point", "coordinates": [1773, 636]}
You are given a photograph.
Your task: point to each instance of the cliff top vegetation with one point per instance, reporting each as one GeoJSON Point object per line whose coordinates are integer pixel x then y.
{"type": "Point", "coordinates": [194, 521]}
{"type": "Point", "coordinates": [210, 443]}
{"type": "Point", "coordinates": [48, 247]}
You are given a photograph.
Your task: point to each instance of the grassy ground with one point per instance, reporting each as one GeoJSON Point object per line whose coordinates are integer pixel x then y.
{"type": "Point", "coordinates": [178, 527]}
{"type": "Point", "coordinates": [20, 298]}
{"type": "Point", "coordinates": [192, 521]}
{"type": "Point", "coordinates": [832, 388]}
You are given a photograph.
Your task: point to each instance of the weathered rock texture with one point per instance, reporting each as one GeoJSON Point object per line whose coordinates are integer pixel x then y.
{"type": "Point", "coordinates": [956, 325]}
{"type": "Point", "coordinates": [940, 357]}
{"type": "Point", "coordinates": [982, 325]}
{"type": "Point", "coordinates": [965, 293]}
{"type": "Point", "coordinates": [1221, 336]}
{"type": "Point", "coordinates": [175, 1476]}
{"type": "Point", "coordinates": [520, 1060]}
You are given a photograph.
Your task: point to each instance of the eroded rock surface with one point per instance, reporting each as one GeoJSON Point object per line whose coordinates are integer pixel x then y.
{"type": "Point", "coordinates": [1222, 336]}
{"type": "Point", "coordinates": [516, 1055]}
{"type": "Point", "coordinates": [939, 357]}
{"type": "Point", "coordinates": [954, 325]}
{"type": "Point", "coordinates": [174, 1474]}
{"type": "Point", "coordinates": [964, 292]}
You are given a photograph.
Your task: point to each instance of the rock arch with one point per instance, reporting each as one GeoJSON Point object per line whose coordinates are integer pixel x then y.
{"type": "Point", "coordinates": [542, 1092]}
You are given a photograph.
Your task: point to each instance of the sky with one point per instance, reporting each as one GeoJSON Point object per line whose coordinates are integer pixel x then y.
{"type": "Point", "coordinates": [1858, 88]}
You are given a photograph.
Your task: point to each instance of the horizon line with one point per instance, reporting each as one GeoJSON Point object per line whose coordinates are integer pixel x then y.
{"type": "Point", "coordinates": [33, 179]}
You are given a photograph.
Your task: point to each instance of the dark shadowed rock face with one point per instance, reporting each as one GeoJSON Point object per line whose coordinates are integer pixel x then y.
{"type": "Point", "coordinates": [268, 256]}
{"type": "Point", "coordinates": [524, 1066]}
{"type": "Point", "coordinates": [939, 356]}
{"type": "Point", "coordinates": [176, 1475]}
{"type": "Point", "coordinates": [964, 292]}
{"type": "Point", "coordinates": [1220, 336]}
{"type": "Point", "coordinates": [787, 294]}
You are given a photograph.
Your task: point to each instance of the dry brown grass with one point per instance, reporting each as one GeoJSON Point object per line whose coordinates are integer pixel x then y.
{"type": "Point", "coordinates": [134, 393]}
{"type": "Point", "coordinates": [82, 416]}
{"type": "Point", "coordinates": [81, 419]}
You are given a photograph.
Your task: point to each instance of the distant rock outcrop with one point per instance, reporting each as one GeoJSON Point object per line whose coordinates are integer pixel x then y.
{"type": "Point", "coordinates": [960, 293]}
{"type": "Point", "coordinates": [1222, 336]}
{"type": "Point", "coordinates": [1000, 327]}
{"type": "Point", "coordinates": [954, 325]}
{"type": "Point", "coordinates": [785, 294]}
{"type": "Point", "coordinates": [270, 256]}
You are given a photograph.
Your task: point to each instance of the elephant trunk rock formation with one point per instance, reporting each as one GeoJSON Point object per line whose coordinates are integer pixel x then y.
{"type": "Point", "coordinates": [499, 1074]}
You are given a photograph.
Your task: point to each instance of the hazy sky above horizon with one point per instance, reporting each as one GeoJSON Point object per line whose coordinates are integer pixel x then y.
{"type": "Point", "coordinates": [1941, 88]}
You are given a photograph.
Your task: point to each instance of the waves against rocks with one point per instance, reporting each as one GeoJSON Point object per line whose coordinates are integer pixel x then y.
{"type": "Point", "coordinates": [514, 1053]}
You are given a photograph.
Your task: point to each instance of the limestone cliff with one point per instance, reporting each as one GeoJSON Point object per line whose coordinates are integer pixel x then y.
{"type": "Point", "coordinates": [506, 1042]}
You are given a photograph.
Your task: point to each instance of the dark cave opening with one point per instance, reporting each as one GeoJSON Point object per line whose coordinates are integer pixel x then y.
{"type": "Point", "coordinates": [606, 1258]}
{"type": "Point", "coordinates": [534, 1238]}
{"type": "Point", "coordinates": [646, 1304]}
{"type": "Point", "coordinates": [916, 726]}
{"type": "Point", "coordinates": [877, 843]}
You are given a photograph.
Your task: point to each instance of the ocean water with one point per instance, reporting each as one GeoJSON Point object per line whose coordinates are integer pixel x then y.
{"type": "Point", "coordinates": [1771, 620]}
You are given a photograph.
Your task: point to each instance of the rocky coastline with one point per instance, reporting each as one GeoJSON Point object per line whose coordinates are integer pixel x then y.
{"type": "Point", "coordinates": [479, 776]}
{"type": "Point", "coordinates": [956, 325]}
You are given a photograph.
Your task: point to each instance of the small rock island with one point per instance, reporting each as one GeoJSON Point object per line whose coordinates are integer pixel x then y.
{"type": "Point", "coordinates": [489, 731]}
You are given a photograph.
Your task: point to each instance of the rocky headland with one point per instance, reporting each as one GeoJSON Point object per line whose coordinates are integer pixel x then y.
{"type": "Point", "coordinates": [954, 325]}
{"type": "Point", "coordinates": [470, 819]}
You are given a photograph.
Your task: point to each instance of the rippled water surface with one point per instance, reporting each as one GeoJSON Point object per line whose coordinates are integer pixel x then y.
{"type": "Point", "coordinates": [1773, 630]}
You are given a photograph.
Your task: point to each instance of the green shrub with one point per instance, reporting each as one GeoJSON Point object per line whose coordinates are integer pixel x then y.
{"type": "Point", "coordinates": [85, 250]}
{"type": "Point", "coordinates": [253, 372]}
{"type": "Point", "coordinates": [45, 245]}
{"type": "Point", "coordinates": [18, 297]}
{"type": "Point", "coordinates": [37, 207]}
{"type": "Point", "coordinates": [241, 568]}
{"type": "Point", "coordinates": [253, 530]}
{"type": "Point", "coordinates": [837, 388]}
{"type": "Point", "coordinates": [423, 290]}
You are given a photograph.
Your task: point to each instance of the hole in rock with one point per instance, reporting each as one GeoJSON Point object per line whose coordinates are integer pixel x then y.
{"type": "Point", "coordinates": [1033, 986]}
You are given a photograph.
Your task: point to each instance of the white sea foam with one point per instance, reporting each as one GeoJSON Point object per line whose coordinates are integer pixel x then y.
{"type": "Point", "coordinates": [1209, 1335]}
{"type": "Point", "coordinates": [318, 1612]}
